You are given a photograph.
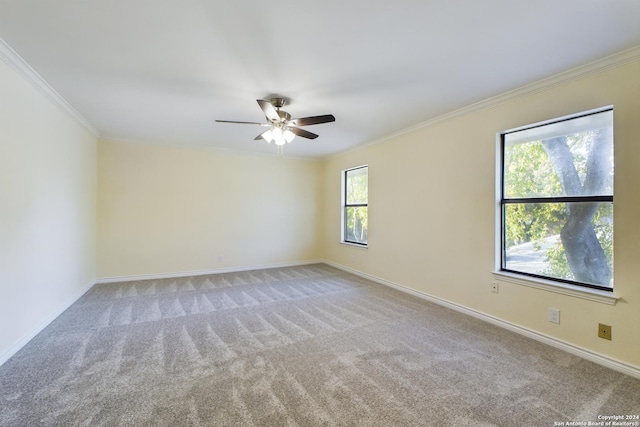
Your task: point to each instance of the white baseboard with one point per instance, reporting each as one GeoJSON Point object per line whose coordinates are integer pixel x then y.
{"type": "Point", "coordinates": [600, 359]}
{"type": "Point", "coordinates": [29, 336]}
{"type": "Point", "coordinates": [172, 275]}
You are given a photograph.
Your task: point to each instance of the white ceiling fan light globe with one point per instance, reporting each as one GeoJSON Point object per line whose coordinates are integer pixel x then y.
{"type": "Point", "coordinates": [268, 136]}
{"type": "Point", "coordinates": [278, 136]}
{"type": "Point", "coordinates": [288, 135]}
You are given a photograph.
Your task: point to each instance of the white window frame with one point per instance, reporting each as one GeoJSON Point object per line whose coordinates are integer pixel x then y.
{"type": "Point", "coordinates": [343, 206]}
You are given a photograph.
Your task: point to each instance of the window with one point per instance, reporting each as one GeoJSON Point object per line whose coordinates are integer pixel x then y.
{"type": "Point", "coordinates": [556, 203]}
{"type": "Point", "coordinates": [355, 204]}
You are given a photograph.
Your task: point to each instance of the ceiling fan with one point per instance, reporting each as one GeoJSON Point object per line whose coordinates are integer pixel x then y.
{"type": "Point", "coordinates": [282, 128]}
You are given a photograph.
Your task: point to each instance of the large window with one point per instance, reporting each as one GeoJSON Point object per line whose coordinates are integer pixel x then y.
{"type": "Point", "coordinates": [355, 205]}
{"type": "Point", "coordinates": [557, 200]}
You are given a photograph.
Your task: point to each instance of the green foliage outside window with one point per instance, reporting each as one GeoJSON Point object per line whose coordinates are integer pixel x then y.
{"type": "Point", "coordinates": [578, 164]}
{"type": "Point", "coordinates": [356, 209]}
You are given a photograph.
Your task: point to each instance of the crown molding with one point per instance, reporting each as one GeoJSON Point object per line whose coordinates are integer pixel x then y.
{"type": "Point", "coordinates": [612, 61]}
{"type": "Point", "coordinates": [20, 66]}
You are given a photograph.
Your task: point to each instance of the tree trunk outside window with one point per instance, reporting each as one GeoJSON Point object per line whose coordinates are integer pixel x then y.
{"type": "Point", "coordinates": [585, 255]}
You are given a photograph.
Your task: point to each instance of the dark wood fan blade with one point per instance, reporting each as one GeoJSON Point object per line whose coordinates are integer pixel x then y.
{"type": "Point", "coordinates": [243, 123]}
{"type": "Point", "coordinates": [303, 133]}
{"type": "Point", "coordinates": [269, 110]}
{"type": "Point", "coordinates": [314, 120]}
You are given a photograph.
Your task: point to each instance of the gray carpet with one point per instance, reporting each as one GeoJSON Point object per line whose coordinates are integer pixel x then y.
{"type": "Point", "coordinates": [300, 346]}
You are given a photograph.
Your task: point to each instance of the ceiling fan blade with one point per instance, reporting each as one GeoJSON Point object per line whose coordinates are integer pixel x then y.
{"type": "Point", "coordinates": [303, 133]}
{"type": "Point", "coordinates": [269, 110]}
{"type": "Point", "coordinates": [243, 123]}
{"type": "Point", "coordinates": [314, 120]}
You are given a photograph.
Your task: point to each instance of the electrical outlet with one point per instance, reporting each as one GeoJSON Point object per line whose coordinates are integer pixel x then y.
{"type": "Point", "coordinates": [220, 258]}
{"type": "Point", "coordinates": [495, 288]}
{"type": "Point", "coordinates": [604, 331]}
{"type": "Point", "coordinates": [554, 315]}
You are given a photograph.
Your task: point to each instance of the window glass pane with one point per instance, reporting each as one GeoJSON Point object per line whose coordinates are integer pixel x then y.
{"type": "Point", "coordinates": [357, 186]}
{"type": "Point", "coordinates": [356, 224]}
{"type": "Point", "coordinates": [568, 241]}
{"type": "Point", "coordinates": [568, 158]}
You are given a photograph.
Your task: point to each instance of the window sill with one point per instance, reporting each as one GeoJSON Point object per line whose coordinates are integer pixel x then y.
{"type": "Point", "coordinates": [557, 287]}
{"type": "Point", "coordinates": [354, 245]}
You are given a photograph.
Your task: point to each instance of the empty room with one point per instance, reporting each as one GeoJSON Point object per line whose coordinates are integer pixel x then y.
{"type": "Point", "coordinates": [320, 214]}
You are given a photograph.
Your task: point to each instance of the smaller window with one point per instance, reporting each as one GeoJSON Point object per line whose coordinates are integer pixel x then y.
{"type": "Point", "coordinates": [355, 205]}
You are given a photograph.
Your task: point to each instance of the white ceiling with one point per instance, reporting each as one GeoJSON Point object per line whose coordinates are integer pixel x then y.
{"type": "Point", "coordinates": [162, 71]}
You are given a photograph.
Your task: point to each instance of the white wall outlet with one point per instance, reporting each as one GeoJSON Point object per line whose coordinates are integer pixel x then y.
{"type": "Point", "coordinates": [495, 288]}
{"type": "Point", "coordinates": [220, 258]}
{"type": "Point", "coordinates": [554, 315]}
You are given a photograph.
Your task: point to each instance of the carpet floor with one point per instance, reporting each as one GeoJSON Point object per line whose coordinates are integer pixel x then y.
{"type": "Point", "coordinates": [298, 346]}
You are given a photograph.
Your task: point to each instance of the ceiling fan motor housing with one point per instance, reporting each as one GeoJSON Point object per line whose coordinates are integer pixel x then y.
{"type": "Point", "coordinates": [284, 116]}
{"type": "Point", "coordinates": [278, 102]}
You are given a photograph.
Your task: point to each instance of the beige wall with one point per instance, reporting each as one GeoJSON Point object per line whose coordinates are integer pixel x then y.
{"type": "Point", "coordinates": [165, 210]}
{"type": "Point", "coordinates": [432, 213]}
{"type": "Point", "coordinates": [47, 210]}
